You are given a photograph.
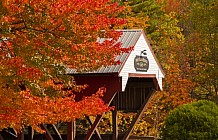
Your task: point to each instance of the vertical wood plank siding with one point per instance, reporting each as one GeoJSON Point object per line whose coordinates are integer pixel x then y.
{"type": "Point", "coordinates": [111, 82]}
{"type": "Point", "coordinates": [135, 94]}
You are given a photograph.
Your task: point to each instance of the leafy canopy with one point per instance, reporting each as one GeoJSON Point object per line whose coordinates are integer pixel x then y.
{"type": "Point", "coordinates": [38, 40]}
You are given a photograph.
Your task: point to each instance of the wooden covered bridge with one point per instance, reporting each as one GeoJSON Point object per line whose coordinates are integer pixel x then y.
{"type": "Point", "coordinates": [130, 86]}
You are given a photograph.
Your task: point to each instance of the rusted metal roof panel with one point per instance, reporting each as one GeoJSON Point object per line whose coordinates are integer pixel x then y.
{"type": "Point", "coordinates": [127, 39]}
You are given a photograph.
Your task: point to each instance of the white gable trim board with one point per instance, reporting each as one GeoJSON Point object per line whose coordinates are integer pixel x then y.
{"type": "Point", "coordinates": [153, 65]}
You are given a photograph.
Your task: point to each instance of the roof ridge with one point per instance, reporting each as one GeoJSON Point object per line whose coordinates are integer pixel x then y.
{"type": "Point", "coordinates": [125, 30]}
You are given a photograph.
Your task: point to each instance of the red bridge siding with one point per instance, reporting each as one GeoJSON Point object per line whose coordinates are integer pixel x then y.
{"type": "Point", "coordinates": [111, 82]}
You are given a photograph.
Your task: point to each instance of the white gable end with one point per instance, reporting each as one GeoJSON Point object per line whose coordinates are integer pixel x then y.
{"type": "Point", "coordinates": [129, 64]}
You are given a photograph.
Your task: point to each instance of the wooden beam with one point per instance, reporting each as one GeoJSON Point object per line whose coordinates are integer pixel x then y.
{"type": "Point", "coordinates": [54, 128]}
{"type": "Point", "coordinates": [14, 135]}
{"type": "Point", "coordinates": [108, 101]}
{"type": "Point", "coordinates": [9, 133]}
{"type": "Point", "coordinates": [30, 133]}
{"type": "Point", "coordinates": [1, 138]}
{"type": "Point", "coordinates": [139, 114]}
{"type": "Point", "coordinates": [156, 84]}
{"type": "Point", "coordinates": [20, 135]}
{"type": "Point", "coordinates": [71, 130]}
{"type": "Point", "coordinates": [47, 133]}
{"type": "Point", "coordinates": [96, 130]}
{"type": "Point", "coordinates": [115, 124]}
{"type": "Point", "coordinates": [12, 132]}
{"type": "Point", "coordinates": [142, 75]}
{"type": "Point", "coordinates": [93, 127]}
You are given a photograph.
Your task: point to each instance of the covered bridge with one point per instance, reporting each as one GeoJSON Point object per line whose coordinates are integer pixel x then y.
{"type": "Point", "coordinates": [130, 85]}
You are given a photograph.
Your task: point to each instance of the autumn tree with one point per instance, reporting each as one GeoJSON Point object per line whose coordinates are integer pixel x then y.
{"type": "Point", "coordinates": [38, 41]}
{"type": "Point", "coordinates": [199, 24]}
{"type": "Point", "coordinates": [167, 40]}
{"type": "Point", "coordinates": [200, 28]}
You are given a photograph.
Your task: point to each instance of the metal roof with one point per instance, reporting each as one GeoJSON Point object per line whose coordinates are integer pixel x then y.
{"type": "Point", "coordinates": [127, 39]}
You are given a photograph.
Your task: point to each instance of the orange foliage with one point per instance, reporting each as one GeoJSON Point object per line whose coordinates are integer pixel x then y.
{"type": "Point", "coordinates": [26, 109]}
{"type": "Point", "coordinates": [38, 40]}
